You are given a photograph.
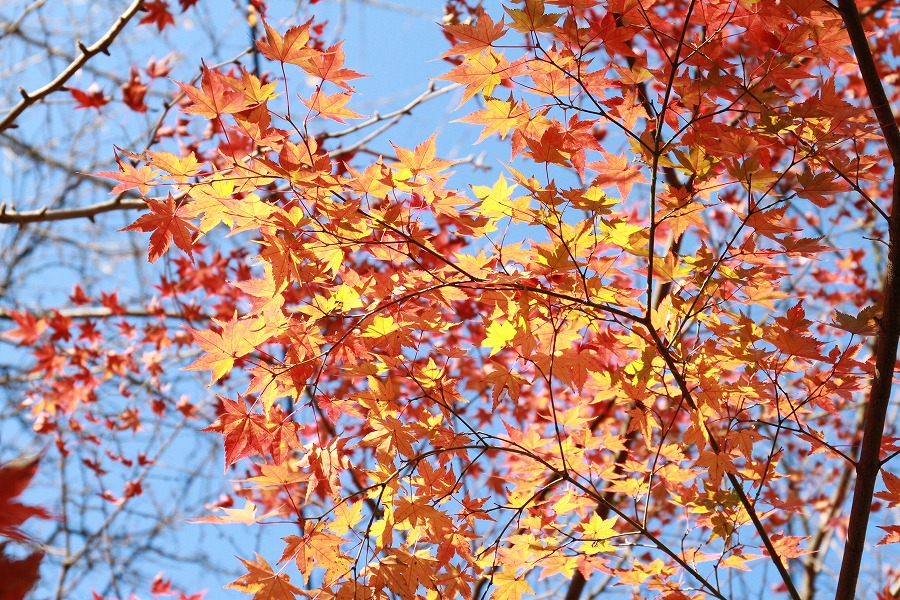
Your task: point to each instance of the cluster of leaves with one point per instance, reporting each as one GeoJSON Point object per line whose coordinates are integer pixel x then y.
{"type": "Point", "coordinates": [627, 356]}
{"type": "Point", "coordinates": [623, 375]}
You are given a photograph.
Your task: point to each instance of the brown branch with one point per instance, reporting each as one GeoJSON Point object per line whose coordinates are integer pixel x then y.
{"type": "Point", "coordinates": [868, 465]}
{"type": "Point", "coordinates": [98, 312]}
{"type": "Point", "coordinates": [869, 72]}
{"type": "Point", "coordinates": [11, 215]}
{"type": "Point", "coordinates": [87, 53]}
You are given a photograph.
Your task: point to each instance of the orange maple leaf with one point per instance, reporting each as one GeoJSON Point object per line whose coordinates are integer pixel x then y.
{"type": "Point", "coordinates": [501, 116]}
{"type": "Point", "coordinates": [167, 223]}
{"type": "Point", "coordinates": [328, 66]}
{"type": "Point", "coordinates": [216, 98]}
{"type": "Point", "coordinates": [222, 349]}
{"type": "Point", "coordinates": [532, 18]}
{"type": "Point", "coordinates": [892, 495]}
{"type": "Point", "coordinates": [245, 433]}
{"type": "Point", "coordinates": [292, 48]}
{"type": "Point", "coordinates": [263, 582]}
{"type": "Point", "coordinates": [29, 328]}
{"type": "Point", "coordinates": [480, 73]}
{"type": "Point", "coordinates": [130, 177]}
{"type": "Point", "coordinates": [181, 168]}
{"type": "Point", "coordinates": [474, 38]}
{"type": "Point", "coordinates": [787, 546]}
{"type": "Point", "coordinates": [509, 586]}
{"type": "Point", "coordinates": [317, 549]}
{"type": "Point", "coordinates": [892, 537]}
{"type": "Point", "coordinates": [420, 162]}
{"type": "Point", "coordinates": [616, 171]}
{"type": "Point", "coordinates": [246, 515]}
{"type": "Point", "coordinates": [332, 106]}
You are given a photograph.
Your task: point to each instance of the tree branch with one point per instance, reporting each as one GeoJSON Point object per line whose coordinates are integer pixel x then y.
{"type": "Point", "coordinates": [11, 215]}
{"type": "Point", "coordinates": [87, 53]}
{"type": "Point", "coordinates": [867, 466]}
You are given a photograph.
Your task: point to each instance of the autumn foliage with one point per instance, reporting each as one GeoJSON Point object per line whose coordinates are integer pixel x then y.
{"type": "Point", "coordinates": [651, 355]}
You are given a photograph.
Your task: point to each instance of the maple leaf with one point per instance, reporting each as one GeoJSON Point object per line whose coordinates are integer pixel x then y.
{"type": "Point", "coordinates": [865, 323]}
{"type": "Point", "coordinates": [245, 433]}
{"type": "Point", "coordinates": [892, 537]}
{"type": "Point", "coordinates": [18, 576]}
{"type": "Point", "coordinates": [615, 170]}
{"type": "Point", "coordinates": [246, 515]}
{"type": "Point", "coordinates": [130, 177]}
{"type": "Point", "coordinates": [332, 107]}
{"type": "Point", "coordinates": [504, 379]}
{"type": "Point", "coordinates": [133, 92]}
{"type": "Point", "coordinates": [181, 168]}
{"type": "Point", "coordinates": [14, 478]}
{"type": "Point", "coordinates": [29, 328]}
{"type": "Point", "coordinates": [92, 98]}
{"type": "Point", "coordinates": [550, 147]}
{"type": "Point", "coordinates": [892, 495]}
{"type": "Point", "coordinates": [347, 516]}
{"type": "Point", "coordinates": [791, 339]}
{"type": "Point", "coordinates": [167, 223]}
{"type": "Point", "coordinates": [317, 548]}
{"type": "Point", "coordinates": [787, 546]}
{"type": "Point", "coordinates": [480, 73]}
{"type": "Point", "coordinates": [158, 68]}
{"type": "Point", "coordinates": [596, 534]}
{"type": "Point", "coordinates": [216, 97]}
{"type": "Point", "coordinates": [499, 335]}
{"type": "Point", "coordinates": [509, 586]}
{"type": "Point", "coordinates": [263, 293]}
{"type": "Point", "coordinates": [238, 338]}
{"type": "Point", "coordinates": [292, 48]}
{"type": "Point", "coordinates": [716, 464]}
{"type": "Point", "coordinates": [474, 38]}
{"type": "Point", "coordinates": [329, 66]}
{"type": "Point", "coordinates": [255, 92]}
{"type": "Point", "coordinates": [419, 162]}
{"type": "Point", "coordinates": [158, 14]}
{"type": "Point", "coordinates": [501, 117]}
{"type": "Point", "coordinates": [405, 572]}
{"type": "Point", "coordinates": [263, 582]}
{"type": "Point", "coordinates": [532, 18]}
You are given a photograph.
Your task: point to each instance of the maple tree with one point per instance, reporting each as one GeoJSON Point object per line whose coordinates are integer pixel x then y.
{"type": "Point", "coordinates": [651, 355]}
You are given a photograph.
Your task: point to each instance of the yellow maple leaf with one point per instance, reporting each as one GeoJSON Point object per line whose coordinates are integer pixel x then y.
{"type": "Point", "coordinates": [596, 534]}
{"type": "Point", "coordinates": [509, 586]}
{"type": "Point", "coordinates": [499, 334]}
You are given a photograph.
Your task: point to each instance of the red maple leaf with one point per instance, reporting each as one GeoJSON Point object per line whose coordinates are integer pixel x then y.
{"type": "Point", "coordinates": [167, 224]}
{"type": "Point", "coordinates": [92, 98]}
{"type": "Point", "coordinates": [17, 577]}
{"type": "Point", "coordinates": [158, 14]}
{"type": "Point", "coordinates": [245, 432]}
{"type": "Point", "coordinates": [133, 92]}
{"type": "Point", "coordinates": [14, 478]}
{"type": "Point", "coordinates": [29, 328]}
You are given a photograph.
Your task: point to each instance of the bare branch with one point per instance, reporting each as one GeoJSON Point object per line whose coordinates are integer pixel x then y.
{"type": "Point", "coordinates": [87, 52]}
{"type": "Point", "coordinates": [10, 215]}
